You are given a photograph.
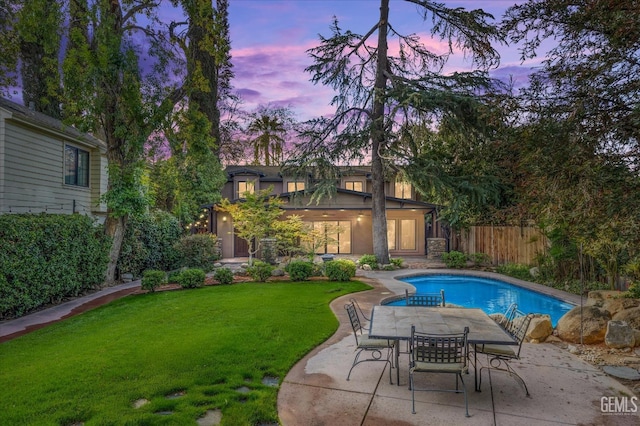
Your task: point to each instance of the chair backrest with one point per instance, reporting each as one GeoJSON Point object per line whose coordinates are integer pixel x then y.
{"type": "Point", "coordinates": [508, 315]}
{"type": "Point", "coordinates": [427, 299]}
{"type": "Point", "coordinates": [356, 325]}
{"type": "Point", "coordinates": [357, 305]}
{"type": "Point", "coordinates": [439, 348]}
{"type": "Point", "coordinates": [518, 326]}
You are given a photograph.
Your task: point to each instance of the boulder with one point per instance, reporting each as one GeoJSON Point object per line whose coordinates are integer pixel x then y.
{"type": "Point", "coordinates": [603, 294]}
{"type": "Point", "coordinates": [619, 304]}
{"type": "Point", "coordinates": [277, 272]}
{"type": "Point", "coordinates": [594, 325]}
{"type": "Point", "coordinates": [366, 267]}
{"type": "Point", "coordinates": [619, 335]}
{"type": "Point", "coordinates": [540, 328]}
{"type": "Point", "coordinates": [631, 316]}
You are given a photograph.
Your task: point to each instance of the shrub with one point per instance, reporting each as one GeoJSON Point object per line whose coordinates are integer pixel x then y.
{"type": "Point", "coordinates": [369, 259]}
{"type": "Point", "coordinates": [515, 270]}
{"type": "Point", "coordinates": [46, 258]}
{"type": "Point", "coordinates": [198, 251]}
{"type": "Point", "coordinates": [149, 243]}
{"type": "Point", "coordinates": [260, 271]}
{"type": "Point", "coordinates": [633, 292]}
{"type": "Point", "coordinates": [454, 259]}
{"type": "Point", "coordinates": [191, 278]}
{"type": "Point", "coordinates": [152, 278]}
{"type": "Point", "coordinates": [479, 259]}
{"type": "Point", "coordinates": [174, 276]}
{"type": "Point", "coordinates": [340, 270]}
{"type": "Point", "coordinates": [397, 262]}
{"type": "Point", "coordinates": [223, 275]}
{"type": "Point", "coordinates": [300, 270]}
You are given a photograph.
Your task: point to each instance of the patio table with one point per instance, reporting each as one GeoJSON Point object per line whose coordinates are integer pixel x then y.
{"type": "Point", "coordinates": [394, 323]}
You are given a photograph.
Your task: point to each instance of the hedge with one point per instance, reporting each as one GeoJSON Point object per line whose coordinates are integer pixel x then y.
{"type": "Point", "coordinates": [46, 258]}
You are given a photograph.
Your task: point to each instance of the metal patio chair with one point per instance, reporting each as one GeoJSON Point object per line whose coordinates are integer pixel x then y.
{"type": "Point", "coordinates": [364, 344]}
{"type": "Point", "coordinates": [438, 353]}
{"type": "Point", "coordinates": [499, 356]}
{"type": "Point", "coordinates": [426, 299]}
{"type": "Point", "coordinates": [508, 315]}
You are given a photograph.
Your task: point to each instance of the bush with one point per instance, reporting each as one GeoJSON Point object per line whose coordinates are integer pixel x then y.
{"type": "Point", "coordinates": [340, 270]}
{"type": "Point", "coordinates": [260, 271]}
{"type": "Point", "coordinates": [46, 258]}
{"type": "Point", "coordinates": [479, 259]}
{"type": "Point", "coordinates": [633, 292]}
{"type": "Point", "coordinates": [300, 270]}
{"type": "Point", "coordinates": [397, 262]}
{"type": "Point", "coordinates": [198, 251]}
{"type": "Point", "coordinates": [149, 243]}
{"type": "Point", "coordinates": [191, 278]}
{"type": "Point", "coordinates": [223, 275]}
{"type": "Point", "coordinates": [454, 259]}
{"type": "Point", "coordinates": [369, 259]}
{"type": "Point", "coordinates": [174, 276]}
{"type": "Point", "coordinates": [515, 270]}
{"type": "Point", "coordinates": [152, 278]}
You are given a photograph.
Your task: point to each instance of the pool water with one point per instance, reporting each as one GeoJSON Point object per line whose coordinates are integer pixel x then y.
{"type": "Point", "coordinates": [492, 296]}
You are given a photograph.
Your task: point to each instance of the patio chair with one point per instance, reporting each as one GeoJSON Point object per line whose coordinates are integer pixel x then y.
{"type": "Point", "coordinates": [438, 353]}
{"type": "Point", "coordinates": [427, 299]}
{"type": "Point", "coordinates": [373, 347]}
{"type": "Point", "coordinates": [499, 356]}
{"type": "Point", "coordinates": [508, 315]}
{"type": "Point", "coordinates": [362, 314]}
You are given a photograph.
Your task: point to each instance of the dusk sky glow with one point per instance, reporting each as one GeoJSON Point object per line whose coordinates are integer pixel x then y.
{"type": "Point", "coordinates": [270, 39]}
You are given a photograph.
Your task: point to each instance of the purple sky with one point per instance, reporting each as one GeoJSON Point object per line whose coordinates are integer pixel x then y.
{"type": "Point", "coordinates": [269, 40]}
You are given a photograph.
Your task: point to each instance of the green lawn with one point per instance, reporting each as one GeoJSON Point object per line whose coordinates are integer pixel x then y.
{"type": "Point", "coordinates": [201, 344]}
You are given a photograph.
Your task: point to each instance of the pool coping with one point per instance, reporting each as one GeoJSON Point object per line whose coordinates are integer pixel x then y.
{"type": "Point", "coordinates": [392, 280]}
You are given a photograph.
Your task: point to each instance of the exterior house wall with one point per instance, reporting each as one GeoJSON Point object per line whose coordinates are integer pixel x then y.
{"type": "Point", "coordinates": [32, 166]}
{"type": "Point", "coordinates": [351, 209]}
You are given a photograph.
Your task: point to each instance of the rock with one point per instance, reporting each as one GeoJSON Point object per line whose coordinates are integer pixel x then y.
{"type": "Point", "coordinates": [244, 265]}
{"type": "Point", "coordinates": [127, 278]}
{"type": "Point", "coordinates": [534, 272]}
{"type": "Point", "coordinates": [619, 304]}
{"type": "Point", "coordinates": [603, 294]}
{"type": "Point", "coordinates": [622, 372]}
{"type": "Point", "coordinates": [573, 349]}
{"type": "Point", "coordinates": [593, 327]}
{"type": "Point", "coordinates": [277, 272]}
{"type": "Point", "coordinates": [366, 267]}
{"type": "Point", "coordinates": [217, 265]}
{"type": "Point", "coordinates": [619, 335]}
{"type": "Point", "coordinates": [552, 339]}
{"type": "Point", "coordinates": [631, 316]}
{"type": "Point", "coordinates": [636, 338]}
{"type": "Point", "coordinates": [540, 328]}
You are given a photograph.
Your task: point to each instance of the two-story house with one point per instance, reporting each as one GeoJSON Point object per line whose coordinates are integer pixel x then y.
{"type": "Point", "coordinates": [46, 166]}
{"type": "Point", "coordinates": [346, 216]}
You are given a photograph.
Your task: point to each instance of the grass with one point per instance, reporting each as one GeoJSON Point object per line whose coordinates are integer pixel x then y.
{"type": "Point", "coordinates": [185, 351]}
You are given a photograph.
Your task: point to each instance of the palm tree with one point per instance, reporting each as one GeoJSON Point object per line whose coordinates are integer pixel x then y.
{"type": "Point", "coordinates": [269, 132]}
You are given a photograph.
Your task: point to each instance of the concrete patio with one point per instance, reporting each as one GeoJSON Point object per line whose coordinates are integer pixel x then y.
{"type": "Point", "coordinates": [564, 389]}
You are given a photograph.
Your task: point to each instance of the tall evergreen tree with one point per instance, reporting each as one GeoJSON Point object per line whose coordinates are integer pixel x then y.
{"type": "Point", "coordinates": [378, 94]}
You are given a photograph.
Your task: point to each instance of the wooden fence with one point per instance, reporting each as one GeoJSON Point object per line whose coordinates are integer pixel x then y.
{"type": "Point", "coordinates": [504, 244]}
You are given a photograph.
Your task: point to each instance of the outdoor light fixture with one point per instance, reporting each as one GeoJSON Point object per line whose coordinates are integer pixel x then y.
{"type": "Point", "coordinates": [224, 218]}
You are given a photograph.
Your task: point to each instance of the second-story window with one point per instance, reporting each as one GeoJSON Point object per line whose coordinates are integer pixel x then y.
{"type": "Point", "coordinates": [76, 166]}
{"type": "Point", "coordinates": [295, 186]}
{"type": "Point", "coordinates": [353, 185]}
{"type": "Point", "coordinates": [246, 186]}
{"type": "Point", "coordinates": [403, 190]}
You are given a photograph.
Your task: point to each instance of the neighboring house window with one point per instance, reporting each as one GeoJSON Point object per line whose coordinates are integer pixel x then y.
{"type": "Point", "coordinates": [246, 186]}
{"type": "Point", "coordinates": [76, 166]}
{"type": "Point", "coordinates": [353, 185]}
{"type": "Point", "coordinates": [403, 190]}
{"type": "Point", "coordinates": [295, 186]}
{"type": "Point", "coordinates": [401, 234]}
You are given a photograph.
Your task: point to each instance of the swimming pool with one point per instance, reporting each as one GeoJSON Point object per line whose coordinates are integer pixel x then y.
{"type": "Point", "coordinates": [492, 296]}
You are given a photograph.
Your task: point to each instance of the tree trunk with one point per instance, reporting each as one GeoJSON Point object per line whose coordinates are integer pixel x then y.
{"type": "Point", "coordinates": [114, 228]}
{"type": "Point", "coordinates": [378, 208]}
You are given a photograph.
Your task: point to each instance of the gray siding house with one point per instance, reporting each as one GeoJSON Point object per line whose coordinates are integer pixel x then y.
{"type": "Point", "coordinates": [46, 166]}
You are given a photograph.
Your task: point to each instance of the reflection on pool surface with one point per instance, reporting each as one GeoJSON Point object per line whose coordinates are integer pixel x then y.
{"type": "Point", "coordinates": [490, 295]}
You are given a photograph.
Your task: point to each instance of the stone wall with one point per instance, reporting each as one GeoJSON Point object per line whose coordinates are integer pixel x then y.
{"type": "Point", "coordinates": [436, 247]}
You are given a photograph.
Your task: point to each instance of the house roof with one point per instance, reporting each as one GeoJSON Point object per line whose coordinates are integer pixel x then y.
{"type": "Point", "coordinates": [24, 114]}
{"type": "Point", "coordinates": [275, 174]}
